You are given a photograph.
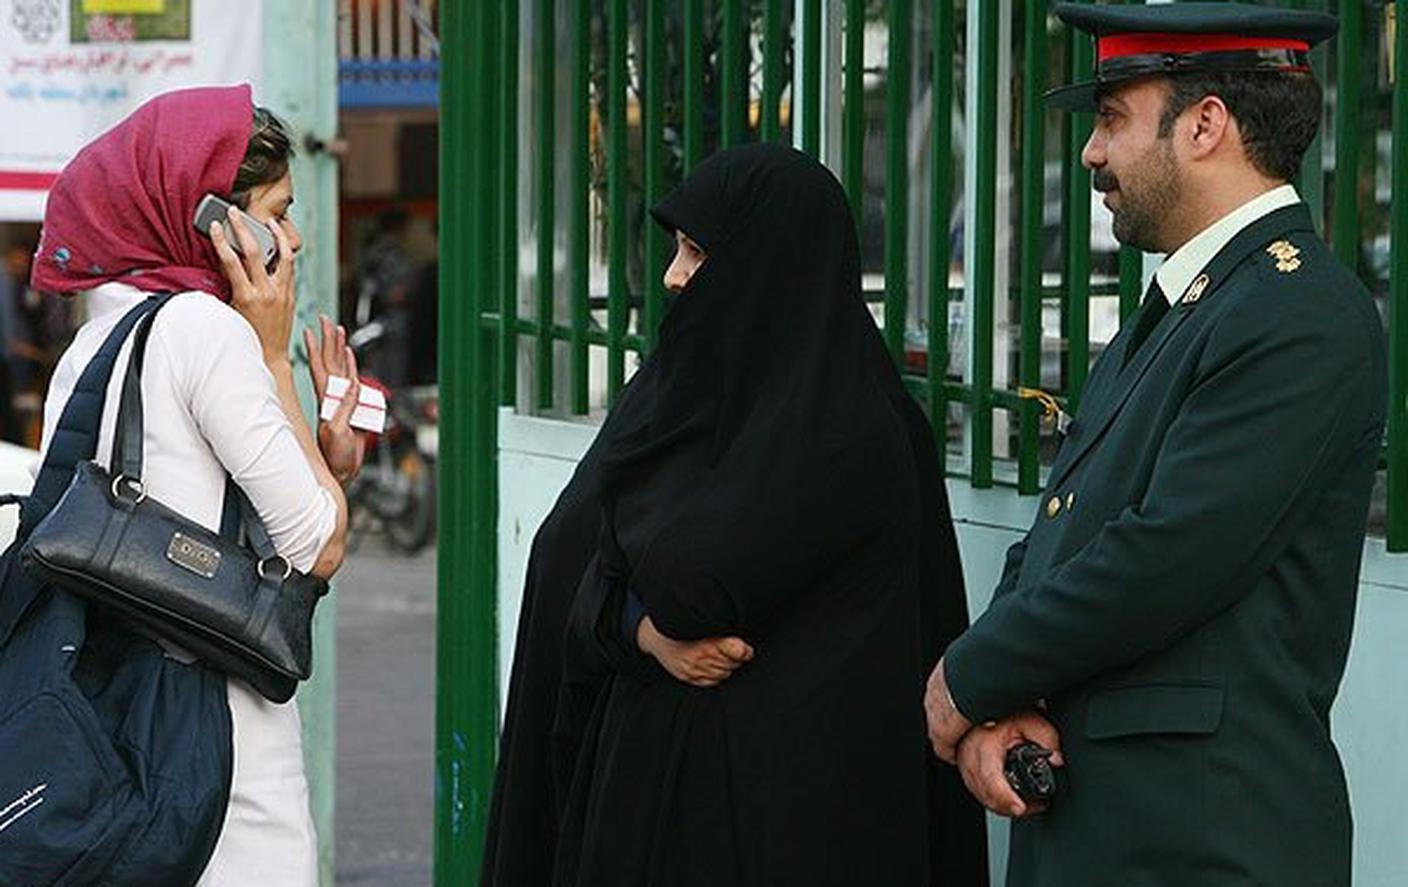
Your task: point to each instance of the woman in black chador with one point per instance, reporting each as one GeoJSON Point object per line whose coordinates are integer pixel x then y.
{"type": "Point", "coordinates": [734, 605]}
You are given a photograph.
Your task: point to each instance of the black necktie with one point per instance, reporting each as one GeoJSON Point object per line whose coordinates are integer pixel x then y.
{"type": "Point", "coordinates": [1153, 310]}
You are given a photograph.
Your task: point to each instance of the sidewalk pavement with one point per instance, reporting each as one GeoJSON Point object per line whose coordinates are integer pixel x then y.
{"type": "Point", "coordinates": [385, 718]}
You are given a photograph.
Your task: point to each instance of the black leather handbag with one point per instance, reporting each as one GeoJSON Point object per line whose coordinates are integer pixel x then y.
{"type": "Point", "coordinates": [239, 606]}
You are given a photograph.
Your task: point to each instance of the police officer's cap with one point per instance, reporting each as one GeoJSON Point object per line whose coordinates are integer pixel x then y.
{"type": "Point", "coordinates": [1168, 38]}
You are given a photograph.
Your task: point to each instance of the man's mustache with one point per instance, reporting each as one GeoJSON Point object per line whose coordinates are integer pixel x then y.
{"type": "Point", "coordinates": [1104, 180]}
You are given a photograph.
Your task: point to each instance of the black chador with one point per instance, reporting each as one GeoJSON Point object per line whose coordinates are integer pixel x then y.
{"type": "Point", "coordinates": [764, 475]}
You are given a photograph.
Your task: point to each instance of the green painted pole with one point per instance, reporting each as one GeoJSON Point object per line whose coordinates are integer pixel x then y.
{"type": "Point", "coordinates": [1075, 225]}
{"type": "Point", "coordinates": [770, 114]}
{"type": "Point", "coordinates": [617, 305]}
{"type": "Point", "coordinates": [1398, 301]}
{"type": "Point", "coordinates": [940, 205]}
{"type": "Point", "coordinates": [853, 108]}
{"type": "Point", "coordinates": [653, 74]}
{"type": "Point", "coordinates": [546, 108]}
{"type": "Point", "coordinates": [810, 78]}
{"type": "Point", "coordinates": [300, 85]}
{"type": "Point", "coordinates": [1344, 233]}
{"type": "Point", "coordinates": [985, 235]}
{"type": "Point", "coordinates": [508, 200]}
{"type": "Point", "coordinates": [693, 110]}
{"type": "Point", "coordinates": [1311, 181]}
{"type": "Point", "coordinates": [581, 184]}
{"type": "Point", "coordinates": [1033, 182]}
{"type": "Point", "coordinates": [466, 643]}
{"type": "Point", "coordinates": [897, 90]}
{"type": "Point", "coordinates": [733, 80]}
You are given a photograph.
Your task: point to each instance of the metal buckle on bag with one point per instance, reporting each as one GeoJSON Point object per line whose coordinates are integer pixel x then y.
{"type": "Point", "coordinates": [123, 482]}
{"type": "Point", "coordinates": [190, 554]}
{"type": "Point", "coordinates": [288, 567]}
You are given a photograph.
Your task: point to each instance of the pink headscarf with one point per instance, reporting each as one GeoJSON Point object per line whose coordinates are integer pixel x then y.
{"type": "Point", "coordinates": [123, 208]}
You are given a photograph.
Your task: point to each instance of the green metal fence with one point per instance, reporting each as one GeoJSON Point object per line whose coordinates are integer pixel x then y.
{"type": "Point", "coordinates": [547, 299]}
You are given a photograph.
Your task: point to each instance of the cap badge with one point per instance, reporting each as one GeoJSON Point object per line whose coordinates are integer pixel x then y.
{"type": "Point", "coordinates": [1286, 254]}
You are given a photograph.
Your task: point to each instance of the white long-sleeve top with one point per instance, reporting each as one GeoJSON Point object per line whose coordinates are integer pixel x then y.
{"type": "Point", "coordinates": [210, 407]}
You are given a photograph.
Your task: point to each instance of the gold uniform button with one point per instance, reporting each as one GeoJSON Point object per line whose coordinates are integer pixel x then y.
{"type": "Point", "coordinates": [1070, 501]}
{"type": "Point", "coordinates": [1053, 507]}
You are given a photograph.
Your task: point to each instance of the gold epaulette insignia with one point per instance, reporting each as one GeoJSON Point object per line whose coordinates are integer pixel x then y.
{"type": "Point", "coordinates": [1286, 254]}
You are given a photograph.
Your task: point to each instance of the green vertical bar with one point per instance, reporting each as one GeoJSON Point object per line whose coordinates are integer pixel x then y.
{"type": "Point", "coordinates": [466, 708]}
{"type": "Point", "coordinates": [617, 305]}
{"type": "Point", "coordinates": [1345, 231]}
{"type": "Point", "coordinates": [1311, 181]}
{"type": "Point", "coordinates": [547, 199]}
{"type": "Point", "coordinates": [853, 107]}
{"type": "Point", "coordinates": [508, 218]}
{"type": "Point", "coordinates": [1131, 280]}
{"type": "Point", "coordinates": [1075, 223]}
{"type": "Point", "coordinates": [733, 81]}
{"type": "Point", "coordinates": [1398, 301]}
{"type": "Point", "coordinates": [299, 82]}
{"type": "Point", "coordinates": [693, 110]}
{"type": "Point", "coordinates": [653, 74]}
{"type": "Point", "coordinates": [897, 88]}
{"type": "Point", "coordinates": [940, 205]}
{"type": "Point", "coordinates": [985, 235]}
{"type": "Point", "coordinates": [771, 112]}
{"type": "Point", "coordinates": [1033, 180]}
{"type": "Point", "coordinates": [579, 177]}
{"type": "Point", "coordinates": [811, 79]}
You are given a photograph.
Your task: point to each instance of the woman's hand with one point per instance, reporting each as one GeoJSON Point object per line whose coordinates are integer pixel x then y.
{"type": "Point", "coordinates": [343, 446]}
{"type": "Point", "coordinates": [705, 663]}
{"type": "Point", "coordinates": [265, 300]}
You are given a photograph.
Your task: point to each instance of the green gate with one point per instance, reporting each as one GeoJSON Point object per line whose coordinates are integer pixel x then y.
{"type": "Point", "coordinates": [563, 119]}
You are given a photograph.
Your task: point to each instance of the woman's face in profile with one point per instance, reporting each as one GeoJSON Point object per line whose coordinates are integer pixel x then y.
{"type": "Point", "coordinates": [688, 257]}
{"type": "Point", "coordinates": [271, 203]}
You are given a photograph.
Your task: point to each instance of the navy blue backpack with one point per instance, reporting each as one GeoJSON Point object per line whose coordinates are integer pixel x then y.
{"type": "Point", "coordinates": [115, 759]}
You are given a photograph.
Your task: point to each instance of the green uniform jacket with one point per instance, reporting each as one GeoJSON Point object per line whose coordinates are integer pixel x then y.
{"type": "Point", "coordinates": [1185, 598]}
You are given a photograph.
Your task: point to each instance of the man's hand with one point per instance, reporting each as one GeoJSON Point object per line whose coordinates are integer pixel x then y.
{"type": "Point", "coordinates": [705, 663]}
{"type": "Point", "coordinates": [983, 752]}
{"type": "Point", "coordinates": [947, 725]}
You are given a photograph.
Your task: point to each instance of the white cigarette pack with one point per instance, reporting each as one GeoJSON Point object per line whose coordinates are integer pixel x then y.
{"type": "Point", "coordinates": [370, 413]}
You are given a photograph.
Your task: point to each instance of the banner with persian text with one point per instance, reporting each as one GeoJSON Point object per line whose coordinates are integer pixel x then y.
{"type": "Point", "coordinates": [70, 69]}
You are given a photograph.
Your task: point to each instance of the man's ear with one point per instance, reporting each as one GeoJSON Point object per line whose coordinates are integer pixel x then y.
{"type": "Point", "coordinates": [1209, 124]}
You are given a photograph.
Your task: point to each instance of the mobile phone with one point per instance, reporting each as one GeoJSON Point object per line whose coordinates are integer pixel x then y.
{"type": "Point", "coordinates": [215, 209]}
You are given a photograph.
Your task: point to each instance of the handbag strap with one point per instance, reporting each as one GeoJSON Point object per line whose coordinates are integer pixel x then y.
{"type": "Point", "coordinates": [76, 435]}
{"type": "Point", "coordinates": [256, 535]}
{"type": "Point", "coordinates": [127, 439]}
{"type": "Point", "coordinates": [239, 522]}
{"type": "Point", "coordinates": [238, 517]}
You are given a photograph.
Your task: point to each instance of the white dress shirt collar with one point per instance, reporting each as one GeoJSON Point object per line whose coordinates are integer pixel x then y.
{"type": "Point", "coordinates": [1177, 272]}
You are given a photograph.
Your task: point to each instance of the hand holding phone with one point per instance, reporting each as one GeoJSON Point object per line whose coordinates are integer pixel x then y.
{"type": "Point", "coordinates": [215, 209]}
{"type": "Point", "coordinates": [265, 298]}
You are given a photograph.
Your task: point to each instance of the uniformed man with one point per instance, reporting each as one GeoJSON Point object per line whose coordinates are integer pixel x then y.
{"type": "Point", "coordinates": [1176, 621]}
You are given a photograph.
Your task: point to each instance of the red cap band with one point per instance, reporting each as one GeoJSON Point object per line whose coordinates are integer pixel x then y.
{"type": "Point", "coordinates": [1121, 45]}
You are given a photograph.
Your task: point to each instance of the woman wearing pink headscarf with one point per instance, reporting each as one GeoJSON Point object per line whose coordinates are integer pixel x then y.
{"type": "Point", "coordinates": [218, 390]}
